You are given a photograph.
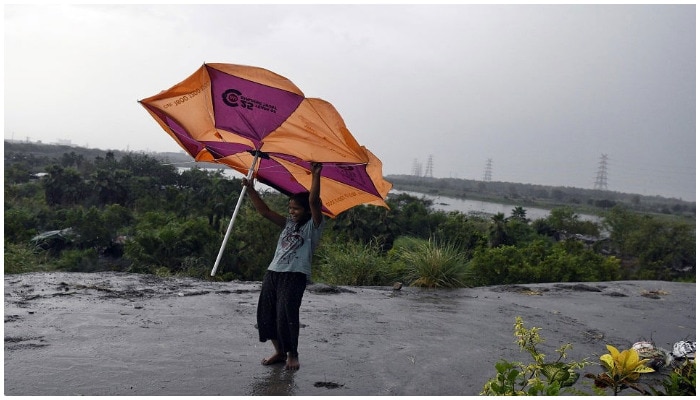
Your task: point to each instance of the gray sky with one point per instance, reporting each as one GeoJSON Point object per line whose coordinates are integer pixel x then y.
{"type": "Point", "coordinates": [542, 90]}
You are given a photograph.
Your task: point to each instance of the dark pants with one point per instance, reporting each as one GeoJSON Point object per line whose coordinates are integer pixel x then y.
{"type": "Point", "coordinates": [278, 309]}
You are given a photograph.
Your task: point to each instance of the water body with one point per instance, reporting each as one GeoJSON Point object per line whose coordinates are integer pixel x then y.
{"type": "Point", "coordinates": [441, 203]}
{"type": "Point", "coordinates": [466, 206]}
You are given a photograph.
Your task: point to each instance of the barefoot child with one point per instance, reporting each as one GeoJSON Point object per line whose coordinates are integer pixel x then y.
{"type": "Point", "coordinates": [285, 279]}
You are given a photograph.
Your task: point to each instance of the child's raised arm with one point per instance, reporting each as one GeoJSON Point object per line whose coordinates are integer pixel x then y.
{"type": "Point", "coordinates": [315, 193]}
{"type": "Point", "coordinates": [261, 207]}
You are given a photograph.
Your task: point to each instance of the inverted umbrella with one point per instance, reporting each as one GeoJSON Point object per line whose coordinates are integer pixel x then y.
{"type": "Point", "coordinates": [261, 124]}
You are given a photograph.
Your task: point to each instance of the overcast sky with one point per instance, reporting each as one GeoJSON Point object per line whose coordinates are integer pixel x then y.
{"type": "Point", "coordinates": [543, 91]}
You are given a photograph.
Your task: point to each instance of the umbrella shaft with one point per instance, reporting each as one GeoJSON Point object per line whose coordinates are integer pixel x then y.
{"type": "Point", "coordinates": [233, 217]}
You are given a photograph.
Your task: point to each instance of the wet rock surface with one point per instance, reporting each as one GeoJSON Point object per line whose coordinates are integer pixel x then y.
{"type": "Point", "coordinates": [127, 334]}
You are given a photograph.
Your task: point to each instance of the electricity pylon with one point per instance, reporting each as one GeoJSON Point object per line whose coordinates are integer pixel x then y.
{"type": "Point", "coordinates": [601, 179]}
{"type": "Point", "coordinates": [429, 167]}
{"type": "Point", "coordinates": [487, 171]}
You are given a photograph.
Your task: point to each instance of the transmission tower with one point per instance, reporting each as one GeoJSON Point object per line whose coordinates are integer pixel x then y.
{"type": "Point", "coordinates": [429, 167]}
{"type": "Point", "coordinates": [417, 168]}
{"type": "Point", "coordinates": [601, 179]}
{"type": "Point", "coordinates": [487, 171]}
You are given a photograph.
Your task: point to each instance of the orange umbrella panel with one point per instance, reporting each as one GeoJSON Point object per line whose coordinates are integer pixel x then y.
{"type": "Point", "coordinates": [227, 113]}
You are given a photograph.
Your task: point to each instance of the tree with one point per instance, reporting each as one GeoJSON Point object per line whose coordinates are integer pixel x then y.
{"type": "Point", "coordinates": [497, 231]}
{"type": "Point", "coordinates": [468, 233]}
{"type": "Point", "coordinates": [110, 186]}
{"type": "Point", "coordinates": [63, 186]}
{"type": "Point", "coordinates": [519, 213]}
{"type": "Point", "coordinates": [565, 220]}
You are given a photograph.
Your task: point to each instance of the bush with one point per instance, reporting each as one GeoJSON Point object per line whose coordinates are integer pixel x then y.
{"type": "Point", "coordinates": [21, 258]}
{"type": "Point", "coordinates": [467, 231]}
{"type": "Point", "coordinates": [540, 261]}
{"type": "Point", "coordinates": [351, 263]}
{"type": "Point", "coordinates": [680, 382]}
{"type": "Point", "coordinates": [428, 263]}
{"type": "Point", "coordinates": [78, 260]}
{"type": "Point", "coordinates": [163, 241]}
{"type": "Point", "coordinates": [20, 224]}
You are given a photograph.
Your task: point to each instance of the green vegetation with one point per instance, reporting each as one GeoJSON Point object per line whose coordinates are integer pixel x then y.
{"type": "Point", "coordinates": [622, 370]}
{"type": "Point", "coordinates": [351, 263]}
{"type": "Point", "coordinates": [85, 210]}
{"type": "Point", "coordinates": [537, 378]}
{"type": "Point", "coordinates": [680, 382]}
{"type": "Point", "coordinates": [427, 263]}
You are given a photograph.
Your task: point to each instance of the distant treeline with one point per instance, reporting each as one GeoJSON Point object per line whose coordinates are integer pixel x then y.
{"type": "Point", "coordinates": [524, 194]}
{"type": "Point", "coordinates": [44, 154]}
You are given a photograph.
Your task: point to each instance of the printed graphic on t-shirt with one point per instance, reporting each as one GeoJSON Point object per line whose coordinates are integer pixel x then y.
{"type": "Point", "coordinates": [291, 241]}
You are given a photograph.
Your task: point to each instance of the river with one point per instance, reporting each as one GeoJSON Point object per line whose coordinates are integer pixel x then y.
{"type": "Point", "coordinates": [466, 206]}
{"type": "Point", "coordinates": [441, 203]}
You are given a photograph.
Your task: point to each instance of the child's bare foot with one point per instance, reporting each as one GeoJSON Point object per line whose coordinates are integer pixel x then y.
{"type": "Point", "coordinates": [274, 359]}
{"type": "Point", "coordinates": [292, 363]}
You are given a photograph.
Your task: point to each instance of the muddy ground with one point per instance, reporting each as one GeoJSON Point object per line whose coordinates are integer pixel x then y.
{"type": "Point", "coordinates": [101, 334]}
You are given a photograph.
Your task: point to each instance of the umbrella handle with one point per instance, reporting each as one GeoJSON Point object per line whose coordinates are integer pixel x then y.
{"type": "Point", "coordinates": [233, 217]}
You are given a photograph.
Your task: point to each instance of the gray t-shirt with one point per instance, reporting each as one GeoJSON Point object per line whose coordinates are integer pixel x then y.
{"type": "Point", "coordinates": [295, 248]}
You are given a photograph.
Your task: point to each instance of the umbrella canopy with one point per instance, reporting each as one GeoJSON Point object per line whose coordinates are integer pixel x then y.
{"type": "Point", "coordinates": [252, 119]}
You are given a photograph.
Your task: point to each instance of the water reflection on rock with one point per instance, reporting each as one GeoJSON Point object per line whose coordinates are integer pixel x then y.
{"type": "Point", "coordinates": [276, 382]}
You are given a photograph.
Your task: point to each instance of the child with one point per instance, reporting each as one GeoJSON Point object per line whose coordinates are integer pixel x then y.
{"type": "Point", "coordinates": [285, 279]}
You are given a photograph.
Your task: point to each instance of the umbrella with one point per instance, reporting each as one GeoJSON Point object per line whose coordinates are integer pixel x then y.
{"type": "Point", "coordinates": [261, 124]}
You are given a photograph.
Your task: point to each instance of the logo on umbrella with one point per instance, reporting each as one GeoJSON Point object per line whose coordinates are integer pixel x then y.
{"type": "Point", "coordinates": [231, 97]}
{"type": "Point", "coordinates": [234, 98]}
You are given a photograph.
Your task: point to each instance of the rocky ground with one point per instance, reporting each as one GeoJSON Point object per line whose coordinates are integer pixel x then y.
{"type": "Point", "coordinates": [126, 334]}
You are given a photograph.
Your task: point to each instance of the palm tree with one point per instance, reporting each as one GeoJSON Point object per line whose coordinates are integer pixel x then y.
{"type": "Point", "coordinates": [519, 213]}
{"type": "Point", "coordinates": [497, 231]}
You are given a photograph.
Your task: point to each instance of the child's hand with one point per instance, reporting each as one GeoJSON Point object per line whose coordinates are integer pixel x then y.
{"type": "Point", "coordinates": [316, 167]}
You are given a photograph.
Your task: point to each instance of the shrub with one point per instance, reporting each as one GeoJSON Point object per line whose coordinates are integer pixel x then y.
{"type": "Point", "coordinates": [680, 382]}
{"type": "Point", "coordinates": [428, 263]}
{"type": "Point", "coordinates": [537, 378]}
{"type": "Point", "coordinates": [540, 261]}
{"type": "Point", "coordinates": [75, 260]}
{"type": "Point", "coordinates": [165, 241]}
{"type": "Point", "coordinates": [19, 224]}
{"type": "Point", "coordinates": [21, 258]}
{"type": "Point", "coordinates": [492, 266]}
{"type": "Point", "coordinates": [351, 263]}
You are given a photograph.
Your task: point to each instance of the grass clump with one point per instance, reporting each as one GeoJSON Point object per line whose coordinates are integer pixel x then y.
{"type": "Point", "coordinates": [431, 264]}
{"type": "Point", "coordinates": [21, 258]}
